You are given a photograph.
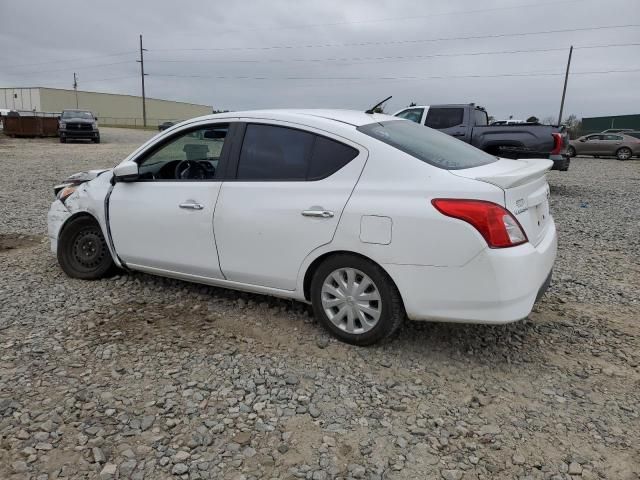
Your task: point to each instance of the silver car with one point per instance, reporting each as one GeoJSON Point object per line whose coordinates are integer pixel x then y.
{"type": "Point", "coordinates": [621, 146]}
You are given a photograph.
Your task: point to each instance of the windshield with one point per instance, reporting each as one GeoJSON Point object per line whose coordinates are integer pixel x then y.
{"type": "Point", "coordinates": [428, 145]}
{"type": "Point", "coordinates": [77, 114]}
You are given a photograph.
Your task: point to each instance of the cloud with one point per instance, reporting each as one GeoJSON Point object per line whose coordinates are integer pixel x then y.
{"type": "Point", "coordinates": [331, 53]}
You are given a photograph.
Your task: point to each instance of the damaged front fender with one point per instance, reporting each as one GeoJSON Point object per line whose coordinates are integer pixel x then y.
{"type": "Point", "coordinates": [78, 178]}
{"type": "Point", "coordinates": [91, 188]}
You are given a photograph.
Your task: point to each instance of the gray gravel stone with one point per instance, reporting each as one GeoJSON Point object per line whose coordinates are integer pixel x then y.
{"type": "Point", "coordinates": [134, 367]}
{"type": "Point", "coordinates": [179, 469]}
{"type": "Point", "coordinates": [108, 472]}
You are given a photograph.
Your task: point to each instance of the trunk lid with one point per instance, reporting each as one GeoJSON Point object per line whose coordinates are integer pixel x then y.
{"type": "Point", "coordinates": [526, 191]}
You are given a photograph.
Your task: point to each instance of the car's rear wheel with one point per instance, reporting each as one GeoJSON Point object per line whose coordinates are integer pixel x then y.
{"type": "Point", "coordinates": [623, 153]}
{"type": "Point", "coordinates": [571, 151]}
{"type": "Point", "coordinates": [83, 251]}
{"type": "Point", "coordinates": [356, 300]}
{"type": "Point", "coordinates": [63, 140]}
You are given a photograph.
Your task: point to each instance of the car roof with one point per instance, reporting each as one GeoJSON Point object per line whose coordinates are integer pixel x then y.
{"type": "Point", "coordinates": [305, 116]}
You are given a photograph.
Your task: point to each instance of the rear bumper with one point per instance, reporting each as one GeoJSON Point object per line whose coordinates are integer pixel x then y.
{"type": "Point", "coordinates": [498, 286]}
{"type": "Point", "coordinates": [560, 162]}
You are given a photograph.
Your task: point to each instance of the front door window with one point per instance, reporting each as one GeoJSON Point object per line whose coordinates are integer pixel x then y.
{"type": "Point", "coordinates": [193, 155]}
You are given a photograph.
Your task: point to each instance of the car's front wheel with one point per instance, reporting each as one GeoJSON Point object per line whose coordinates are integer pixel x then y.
{"type": "Point", "coordinates": [571, 151]}
{"type": "Point", "coordinates": [356, 300]}
{"type": "Point", "coordinates": [623, 153]}
{"type": "Point", "coordinates": [83, 251]}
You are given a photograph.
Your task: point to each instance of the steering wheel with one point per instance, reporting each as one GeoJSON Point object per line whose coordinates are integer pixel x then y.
{"type": "Point", "coordinates": [190, 170]}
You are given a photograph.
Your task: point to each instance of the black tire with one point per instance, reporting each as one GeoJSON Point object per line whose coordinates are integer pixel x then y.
{"type": "Point", "coordinates": [63, 140]}
{"type": "Point", "coordinates": [391, 308]}
{"type": "Point", "coordinates": [624, 153]}
{"type": "Point", "coordinates": [82, 250]}
{"type": "Point", "coordinates": [96, 140]}
{"type": "Point", "coordinates": [571, 151]}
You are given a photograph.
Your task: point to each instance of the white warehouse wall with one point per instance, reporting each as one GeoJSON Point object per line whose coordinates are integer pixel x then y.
{"type": "Point", "coordinates": [111, 109]}
{"type": "Point", "coordinates": [20, 98]}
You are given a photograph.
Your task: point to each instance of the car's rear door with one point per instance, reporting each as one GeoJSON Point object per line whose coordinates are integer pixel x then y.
{"type": "Point", "coordinates": [611, 143]}
{"type": "Point", "coordinates": [163, 221]}
{"type": "Point", "coordinates": [291, 185]}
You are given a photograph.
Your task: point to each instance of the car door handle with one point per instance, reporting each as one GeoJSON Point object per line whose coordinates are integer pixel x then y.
{"type": "Point", "coordinates": [317, 213]}
{"type": "Point", "coordinates": [191, 206]}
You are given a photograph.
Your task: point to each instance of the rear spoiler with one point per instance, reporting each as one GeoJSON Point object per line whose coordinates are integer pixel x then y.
{"type": "Point", "coordinates": [533, 168]}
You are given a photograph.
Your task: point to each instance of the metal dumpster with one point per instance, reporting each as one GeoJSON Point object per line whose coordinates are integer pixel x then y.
{"type": "Point", "coordinates": [30, 124]}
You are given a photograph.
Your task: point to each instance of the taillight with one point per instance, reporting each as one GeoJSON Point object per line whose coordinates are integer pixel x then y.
{"type": "Point", "coordinates": [557, 143]}
{"type": "Point", "coordinates": [499, 228]}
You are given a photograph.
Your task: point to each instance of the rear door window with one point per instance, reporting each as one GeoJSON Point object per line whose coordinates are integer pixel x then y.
{"type": "Point", "coordinates": [440, 118]}
{"type": "Point", "coordinates": [435, 148]}
{"type": "Point", "coordinates": [275, 153]}
{"type": "Point", "coordinates": [328, 157]}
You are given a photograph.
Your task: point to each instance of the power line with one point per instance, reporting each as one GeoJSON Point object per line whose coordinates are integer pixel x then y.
{"type": "Point", "coordinates": [70, 60]}
{"type": "Point", "coordinates": [396, 42]}
{"type": "Point", "coordinates": [395, 57]}
{"type": "Point", "coordinates": [500, 75]}
{"type": "Point", "coordinates": [66, 69]}
{"type": "Point", "coordinates": [93, 80]}
{"type": "Point", "coordinates": [96, 80]}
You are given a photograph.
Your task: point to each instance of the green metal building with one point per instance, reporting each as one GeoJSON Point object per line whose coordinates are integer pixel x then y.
{"type": "Point", "coordinates": [598, 124]}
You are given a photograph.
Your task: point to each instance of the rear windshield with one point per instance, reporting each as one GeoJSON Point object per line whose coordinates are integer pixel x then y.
{"type": "Point", "coordinates": [430, 146]}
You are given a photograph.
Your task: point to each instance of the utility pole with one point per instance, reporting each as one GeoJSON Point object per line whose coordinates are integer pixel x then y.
{"type": "Point", "coordinates": [142, 74]}
{"type": "Point", "coordinates": [564, 90]}
{"type": "Point", "coordinates": [75, 86]}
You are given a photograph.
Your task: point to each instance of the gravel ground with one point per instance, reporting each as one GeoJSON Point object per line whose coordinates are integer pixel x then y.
{"type": "Point", "coordinates": [142, 377]}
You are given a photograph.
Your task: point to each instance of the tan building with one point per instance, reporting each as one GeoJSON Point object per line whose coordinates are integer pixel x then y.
{"type": "Point", "coordinates": [110, 108]}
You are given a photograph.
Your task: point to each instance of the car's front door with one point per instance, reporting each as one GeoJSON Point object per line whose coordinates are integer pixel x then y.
{"type": "Point", "coordinates": [592, 145]}
{"type": "Point", "coordinates": [290, 189]}
{"type": "Point", "coordinates": [164, 219]}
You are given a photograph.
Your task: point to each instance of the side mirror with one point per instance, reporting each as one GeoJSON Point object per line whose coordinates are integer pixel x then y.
{"type": "Point", "coordinates": [95, 118]}
{"type": "Point", "coordinates": [126, 172]}
{"type": "Point", "coordinates": [58, 117]}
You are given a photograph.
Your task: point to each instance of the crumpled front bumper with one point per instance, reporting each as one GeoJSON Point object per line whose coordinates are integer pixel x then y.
{"type": "Point", "coordinates": [56, 217]}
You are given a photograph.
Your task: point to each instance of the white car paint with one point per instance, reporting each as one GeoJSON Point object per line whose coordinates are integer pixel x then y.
{"type": "Point", "coordinates": [251, 235]}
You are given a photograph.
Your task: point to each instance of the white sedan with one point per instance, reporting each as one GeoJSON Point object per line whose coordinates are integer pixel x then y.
{"type": "Point", "coordinates": [370, 218]}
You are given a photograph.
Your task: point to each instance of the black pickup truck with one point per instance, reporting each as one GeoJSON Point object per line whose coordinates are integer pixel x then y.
{"type": "Point", "coordinates": [470, 123]}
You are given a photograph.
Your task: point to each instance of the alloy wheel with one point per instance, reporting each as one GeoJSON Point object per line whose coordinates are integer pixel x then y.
{"type": "Point", "coordinates": [624, 154]}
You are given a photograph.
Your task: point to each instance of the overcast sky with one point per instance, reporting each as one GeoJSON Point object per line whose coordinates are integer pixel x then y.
{"type": "Point", "coordinates": [329, 53]}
